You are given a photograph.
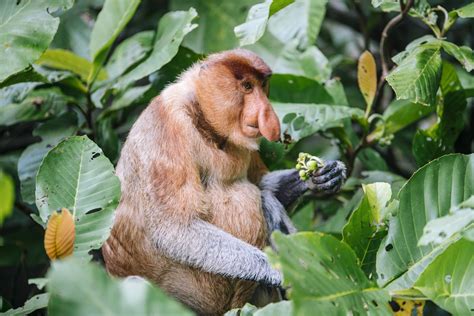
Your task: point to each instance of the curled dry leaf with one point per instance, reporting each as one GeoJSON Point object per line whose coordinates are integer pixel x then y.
{"type": "Point", "coordinates": [60, 234]}
{"type": "Point", "coordinates": [367, 77]}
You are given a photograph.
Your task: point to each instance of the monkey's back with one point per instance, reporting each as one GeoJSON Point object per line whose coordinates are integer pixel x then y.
{"type": "Point", "coordinates": [231, 203]}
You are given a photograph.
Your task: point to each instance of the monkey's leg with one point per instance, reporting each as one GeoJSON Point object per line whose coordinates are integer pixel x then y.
{"type": "Point", "coordinates": [202, 245]}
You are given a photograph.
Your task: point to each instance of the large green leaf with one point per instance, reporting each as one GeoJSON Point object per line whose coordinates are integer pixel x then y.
{"type": "Point", "coordinates": [418, 76]}
{"type": "Point", "coordinates": [7, 191]}
{"type": "Point", "coordinates": [463, 54]}
{"type": "Point", "coordinates": [51, 133]}
{"type": "Point", "coordinates": [87, 289]}
{"type": "Point", "coordinates": [110, 22]}
{"type": "Point", "coordinates": [282, 308]}
{"type": "Point", "coordinates": [466, 12]}
{"type": "Point", "coordinates": [26, 30]}
{"type": "Point", "coordinates": [66, 60]}
{"type": "Point", "coordinates": [300, 21]}
{"type": "Point", "coordinates": [39, 105]}
{"type": "Point", "coordinates": [256, 22]}
{"type": "Point", "coordinates": [439, 139]}
{"type": "Point", "coordinates": [129, 52]}
{"type": "Point", "coordinates": [449, 279]}
{"type": "Point", "coordinates": [441, 229]}
{"type": "Point", "coordinates": [76, 175]}
{"type": "Point", "coordinates": [289, 58]}
{"type": "Point", "coordinates": [299, 120]}
{"type": "Point", "coordinates": [324, 277]}
{"type": "Point", "coordinates": [365, 228]}
{"type": "Point", "coordinates": [429, 194]}
{"type": "Point", "coordinates": [295, 89]}
{"type": "Point", "coordinates": [35, 303]}
{"type": "Point", "coordinates": [217, 20]}
{"type": "Point", "coordinates": [172, 28]}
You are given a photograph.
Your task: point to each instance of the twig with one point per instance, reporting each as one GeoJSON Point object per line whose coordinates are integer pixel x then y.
{"type": "Point", "coordinates": [386, 31]}
{"type": "Point", "coordinates": [384, 54]}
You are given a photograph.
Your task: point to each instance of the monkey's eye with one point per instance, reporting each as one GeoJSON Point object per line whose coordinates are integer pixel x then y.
{"type": "Point", "coordinates": [247, 86]}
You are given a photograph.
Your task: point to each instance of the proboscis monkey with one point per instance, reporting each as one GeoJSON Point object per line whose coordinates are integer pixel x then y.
{"type": "Point", "coordinates": [198, 204]}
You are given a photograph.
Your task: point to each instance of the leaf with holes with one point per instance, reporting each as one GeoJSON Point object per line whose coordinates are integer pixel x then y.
{"type": "Point", "coordinates": [367, 77]}
{"type": "Point", "coordinates": [441, 229]}
{"type": "Point", "coordinates": [324, 276]}
{"type": "Point", "coordinates": [449, 279]}
{"type": "Point", "coordinates": [418, 76]}
{"type": "Point", "coordinates": [430, 193]}
{"type": "Point", "coordinates": [463, 54]}
{"type": "Point", "coordinates": [59, 235]}
{"type": "Point", "coordinates": [76, 175]}
{"type": "Point", "coordinates": [365, 228]}
{"type": "Point", "coordinates": [51, 133]}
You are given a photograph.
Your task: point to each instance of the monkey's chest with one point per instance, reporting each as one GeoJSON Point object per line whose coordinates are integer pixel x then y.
{"type": "Point", "coordinates": [236, 208]}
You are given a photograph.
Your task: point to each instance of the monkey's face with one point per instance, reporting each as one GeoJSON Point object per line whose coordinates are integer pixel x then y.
{"type": "Point", "coordinates": [236, 83]}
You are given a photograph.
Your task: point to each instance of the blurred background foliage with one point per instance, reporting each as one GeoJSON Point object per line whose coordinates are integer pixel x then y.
{"type": "Point", "coordinates": [82, 71]}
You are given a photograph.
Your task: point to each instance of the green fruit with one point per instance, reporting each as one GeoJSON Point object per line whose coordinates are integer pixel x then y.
{"type": "Point", "coordinates": [302, 174]}
{"type": "Point", "coordinates": [298, 166]}
{"type": "Point", "coordinates": [312, 165]}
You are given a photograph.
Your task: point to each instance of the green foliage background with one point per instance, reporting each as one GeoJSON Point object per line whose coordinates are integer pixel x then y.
{"type": "Point", "coordinates": [75, 75]}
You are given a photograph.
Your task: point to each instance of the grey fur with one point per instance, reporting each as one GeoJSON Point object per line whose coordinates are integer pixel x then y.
{"type": "Point", "coordinates": [204, 246]}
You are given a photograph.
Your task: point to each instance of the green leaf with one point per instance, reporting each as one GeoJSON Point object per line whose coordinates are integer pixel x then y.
{"type": "Point", "coordinates": [217, 20]}
{"type": "Point", "coordinates": [441, 229]}
{"type": "Point", "coordinates": [172, 28]}
{"type": "Point", "coordinates": [372, 160]}
{"type": "Point", "coordinates": [26, 30]}
{"type": "Point", "coordinates": [429, 194]}
{"type": "Point", "coordinates": [463, 54]}
{"type": "Point", "coordinates": [36, 302]}
{"type": "Point", "coordinates": [76, 175]}
{"type": "Point", "coordinates": [299, 120]}
{"type": "Point", "coordinates": [256, 22]}
{"type": "Point", "coordinates": [299, 21]}
{"type": "Point", "coordinates": [439, 139]}
{"type": "Point", "coordinates": [295, 89]}
{"type": "Point", "coordinates": [111, 20]}
{"type": "Point", "coordinates": [130, 96]}
{"type": "Point", "coordinates": [418, 76]}
{"type": "Point", "coordinates": [129, 53]}
{"type": "Point", "coordinates": [289, 58]}
{"type": "Point", "coordinates": [66, 60]}
{"type": "Point", "coordinates": [449, 279]}
{"type": "Point", "coordinates": [72, 294]}
{"type": "Point", "coordinates": [39, 105]}
{"type": "Point", "coordinates": [365, 228]}
{"type": "Point", "coordinates": [7, 192]}
{"type": "Point", "coordinates": [16, 93]}
{"type": "Point", "coordinates": [466, 12]}
{"type": "Point", "coordinates": [324, 276]}
{"type": "Point", "coordinates": [401, 113]}
{"type": "Point", "coordinates": [51, 133]}
{"type": "Point", "coordinates": [282, 308]}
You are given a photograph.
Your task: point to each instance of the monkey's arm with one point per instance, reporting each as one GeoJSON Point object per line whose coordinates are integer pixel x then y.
{"type": "Point", "coordinates": [282, 188]}
{"type": "Point", "coordinates": [202, 245]}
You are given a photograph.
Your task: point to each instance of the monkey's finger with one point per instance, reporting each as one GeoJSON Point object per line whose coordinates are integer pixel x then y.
{"type": "Point", "coordinates": [328, 187]}
{"type": "Point", "coordinates": [328, 166]}
{"type": "Point", "coordinates": [335, 172]}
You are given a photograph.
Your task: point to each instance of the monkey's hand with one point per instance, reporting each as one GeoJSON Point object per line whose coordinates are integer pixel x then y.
{"type": "Point", "coordinates": [328, 179]}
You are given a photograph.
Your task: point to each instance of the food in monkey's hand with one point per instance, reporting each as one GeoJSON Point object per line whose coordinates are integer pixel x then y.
{"type": "Point", "coordinates": [308, 164]}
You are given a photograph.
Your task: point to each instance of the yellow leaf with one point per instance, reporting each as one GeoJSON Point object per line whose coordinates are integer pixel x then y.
{"type": "Point", "coordinates": [367, 77]}
{"type": "Point", "coordinates": [60, 234]}
{"type": "Point", "coordinates": [407, 307]}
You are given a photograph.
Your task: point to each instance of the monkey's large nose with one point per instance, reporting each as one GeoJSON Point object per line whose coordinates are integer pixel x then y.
{"type": "Point", "coordinates": [268, 123]}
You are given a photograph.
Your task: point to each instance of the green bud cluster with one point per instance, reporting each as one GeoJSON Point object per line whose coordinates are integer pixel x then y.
{"type": "Point", "coordinates": [307, 164]}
